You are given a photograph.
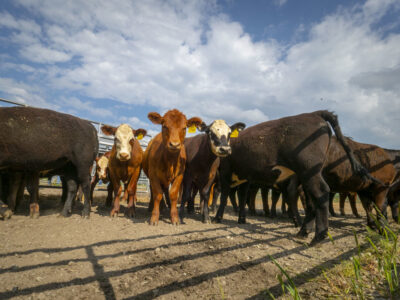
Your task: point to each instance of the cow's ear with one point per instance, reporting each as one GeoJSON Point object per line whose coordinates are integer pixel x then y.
{"type": "Point", "coordinates": [107, 154]}
{"type": "Point", "coordinates": [203, 127]}
{"type": "Point", "coordinates": [97, 158]}
{"type": "Point", "coordinates": [238, 126]}
{"type": "Point", "coordinates": [139, 133]}
{"type": "Point", "coordinates": [108, 130]}
{"type": "Point", "coordinates": [155, 118]}
{"type": "Point", "coordinates": [195, 121]}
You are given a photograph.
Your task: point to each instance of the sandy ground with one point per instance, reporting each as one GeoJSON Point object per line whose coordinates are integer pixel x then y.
{"type": "Point", "coordinates": [121, 258]}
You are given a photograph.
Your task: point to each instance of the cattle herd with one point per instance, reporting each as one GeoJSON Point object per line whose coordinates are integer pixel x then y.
{"type": "Point", "coordinates": [296, 156]}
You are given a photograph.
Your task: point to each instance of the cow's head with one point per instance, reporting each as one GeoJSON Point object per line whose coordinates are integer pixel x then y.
{"type": "Point", "coordinates": [174, 124]}
{"type": "Point", "coordinates": [102, 166]}
{"type": "Point", "coordinates": [123, 139]}
{"type": "Point", "coordinates": [220, 134]}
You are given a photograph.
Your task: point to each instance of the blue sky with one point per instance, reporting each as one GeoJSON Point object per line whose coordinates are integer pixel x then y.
{"type": "Point", "coordinates": [248, 61]}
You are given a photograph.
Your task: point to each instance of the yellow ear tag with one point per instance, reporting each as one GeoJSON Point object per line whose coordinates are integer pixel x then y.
{"type": "Point", "coordinates": [192, 129]}
{"type": "Point", "coordinates": [235, 133]}
{"type": "Point", "coordinates": [139, 137]}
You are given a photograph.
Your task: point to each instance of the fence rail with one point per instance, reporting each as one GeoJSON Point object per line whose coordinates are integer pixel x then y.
{"type": "Point", "coordinates": [105, 144]}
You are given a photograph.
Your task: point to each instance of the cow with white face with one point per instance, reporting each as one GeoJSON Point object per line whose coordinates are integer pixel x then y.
{"type": "Point", "coordinates": [203, 156]}
{"type": "Point", "coordinates": [103, 175]}
{"type": "Point", "coordinates": [123, 139]}
{"type": "Point", "coordinates": [124, 163]}
{"type": "Point", "coordinates": [220, 133]}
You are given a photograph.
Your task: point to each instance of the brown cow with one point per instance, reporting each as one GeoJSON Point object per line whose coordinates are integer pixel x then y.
{"type": "Point", "coordinates": [164, 159]}
{"type": "Point", "coordinates": [124, 164]}
{"type": "Point", "coordinates": [102, 173]}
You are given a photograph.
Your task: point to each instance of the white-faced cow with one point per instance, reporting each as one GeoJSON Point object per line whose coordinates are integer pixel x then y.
{"type": "Point", "coordinates": [124, 164]}
{"type": "Point", "coordinates": [202, 160]}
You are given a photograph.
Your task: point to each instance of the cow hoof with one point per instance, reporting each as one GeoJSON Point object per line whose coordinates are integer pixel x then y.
{"type": "Point", "coordinates": [242, 221]}
{"type": "Point", "coordinates": [182, 222]}
{"type": "Point", "coordinates": [217, 220]}
{"type": "Point", "coordinates": [206, 220]}
{"type": "Point", "coordinates": [302, 234]}
{"type": "Point", "coordinates": [153, 223]}
{"type": "Point", "coordinates": [317, 240]}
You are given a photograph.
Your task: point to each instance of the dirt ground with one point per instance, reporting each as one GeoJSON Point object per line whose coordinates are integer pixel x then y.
{"type": "Point", "coordinates": [121, 258]}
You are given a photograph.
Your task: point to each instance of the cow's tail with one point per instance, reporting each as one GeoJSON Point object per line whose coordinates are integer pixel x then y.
{"type": "Point", "coordinates": [358, 169]}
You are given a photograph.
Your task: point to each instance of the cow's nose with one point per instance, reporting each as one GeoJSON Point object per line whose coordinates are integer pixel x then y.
{"type": "Point", "coordinates": [124, 156]}
{"type": "Point", "coordinates": [174, 146]}
{"type": "Point", "coordinates": [225, 150]}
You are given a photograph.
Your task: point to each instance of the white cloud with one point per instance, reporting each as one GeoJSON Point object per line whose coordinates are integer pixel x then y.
{"type": "Point", "coordinates": [186, 54]}
{"type": "Point", "coordinates": [24, 93]}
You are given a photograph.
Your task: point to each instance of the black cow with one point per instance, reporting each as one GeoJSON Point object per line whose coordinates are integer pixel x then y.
{"type": "Point", "coordinates": [270, 152]}
{"type": "Point", "coordinates": [34, 140]}
{"type": "Point", "coordinates": [202, 160]}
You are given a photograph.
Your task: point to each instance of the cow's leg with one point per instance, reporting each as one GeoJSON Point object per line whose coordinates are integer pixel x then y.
{"type": "Point", "coordinates": [72, 187]}
{"type": "Point", "coordinates": [93, 184]}
{"type": "Point", "coordinates": [84, 180]}
{"type": "Point", "coordinates": [64, 188]}
{"type": "Point", "coordinates": [151, 201]}
{"type": "Point", "coordinates": [157, 194]}
{"type": "Point", "coordinates": [232, 198]}
{"type": "Point", "coordinates": [186, 195]}
{"type": "Point", "coordinates": [394, 205]}
{"type": "Point", "coordinates": [33, 188]}
{"type": "Point", "coordinates": [109, 194]}
{"type": "Point", "coordinates": [117, 195]}
{"type": "Point", "coordinates": [308, 222]}
{"type": "Point", "coordinates": [275, 198]}
{"type": "Point", "coordinates": [204, 195]}
{"type": "Point", "coordinates": [251, 199]}
{"type": "Point", "coordinates": [264, 196]}
{"type": "Point", "coordinates": [318, 190]}
{"type": "Point", "coordinates": [190, 201]}
{"type": "Point", "coordinates": [217, 192]}
{"type": "Point", "coordinates": [131, 188]}
{"type": "Point", "coordinates": [290, 196]}
{"type": "Point", "coordinates": [15, 181]}
{"type": "Point", "coordinates": [352, 198]}
{"type": "Point", "coordinates": [243, 189]}
{"type": "Point", "coordinates": [342, 200]}
{"type": "Point", "coordinates": [331, 209]}
{"type": "Point", "coordinates": [225, 191]}
{"type": "Point", "coordinates": [173, 195]}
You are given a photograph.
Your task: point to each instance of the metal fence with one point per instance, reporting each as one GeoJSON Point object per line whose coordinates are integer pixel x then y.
{"type": "Point", "coordinates": [105, 144]}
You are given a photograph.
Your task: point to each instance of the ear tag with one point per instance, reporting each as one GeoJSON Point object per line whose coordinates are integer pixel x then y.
{"type": "Point", "coordinates": [192, 129]}
{"type": "Point", "coordinates": [235, 133]}
{"type": "Point", "coordinates": [139, 137]}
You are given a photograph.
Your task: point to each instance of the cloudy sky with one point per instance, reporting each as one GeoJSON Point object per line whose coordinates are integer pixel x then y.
{"type": "Point", "coordinates": [238, 60]}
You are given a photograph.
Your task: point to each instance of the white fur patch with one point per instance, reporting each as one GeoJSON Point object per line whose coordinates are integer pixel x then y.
{"type": "Point", "coordinates": [124, 135]}
{"type": "Point", "coordinates": [102, 164]}
{"type": "Point", "coordinates": [220, 128]}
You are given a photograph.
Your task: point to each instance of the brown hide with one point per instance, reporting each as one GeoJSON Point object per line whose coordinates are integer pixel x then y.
{"type": "Point", "coordinates": [165, 157]}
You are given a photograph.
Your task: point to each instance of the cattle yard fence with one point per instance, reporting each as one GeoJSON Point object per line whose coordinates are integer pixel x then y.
{"type": "Point", "coordinates": [105, 144]}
